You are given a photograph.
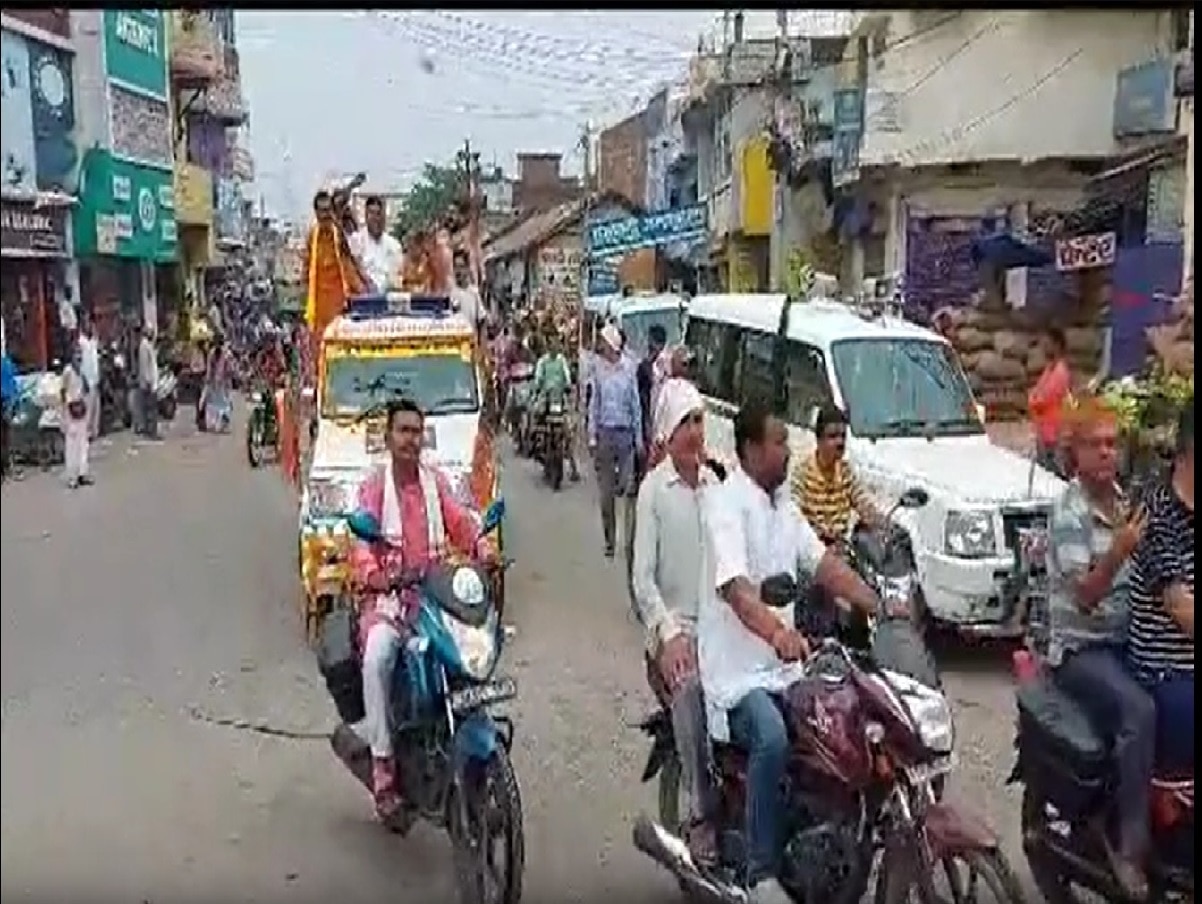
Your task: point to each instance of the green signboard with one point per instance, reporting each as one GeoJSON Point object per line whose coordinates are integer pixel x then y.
{"type": "Point", "coordinates": [125, 210]}
{"type": "Point", "coordinates": [135, 49]}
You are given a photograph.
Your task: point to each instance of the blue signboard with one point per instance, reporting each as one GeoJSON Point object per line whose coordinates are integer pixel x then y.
{"type": "Point", "coordinates": [1143, 100]}
{"type": "Point", "coordinates": [602, 277]}
{"type": "Point", "coordinates": [622, 235]}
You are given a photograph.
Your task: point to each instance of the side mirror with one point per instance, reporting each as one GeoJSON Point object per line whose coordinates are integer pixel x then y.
{"type": "Point", "coordinates": [364, 526]}
{"type": "Point", "coordinates": [778, 591]}
{"type": "Point", "coordinates": [914, 498]}
{"type": "Point", "coordinates": [308, 393]}
{"type": "Point", "coordinates": [493, 516]}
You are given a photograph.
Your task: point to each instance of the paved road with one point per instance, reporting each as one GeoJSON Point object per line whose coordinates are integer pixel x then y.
{"type": "Point", "coordinates": [137, 610]}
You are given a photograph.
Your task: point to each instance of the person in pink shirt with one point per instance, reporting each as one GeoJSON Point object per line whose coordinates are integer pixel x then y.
{"type": "Point", "coordinates": [421, 521]}
{"type": "Point", "coordinates": [1047, 401]}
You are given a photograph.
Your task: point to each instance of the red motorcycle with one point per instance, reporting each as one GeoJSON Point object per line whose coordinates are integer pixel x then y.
{"type": "Point", "coordinates": [1066, 769]}
{"type": "Point", "coordinates": [869, 745]}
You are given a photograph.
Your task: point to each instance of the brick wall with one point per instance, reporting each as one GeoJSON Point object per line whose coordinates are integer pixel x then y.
{"type": "Point", "coordinates": [622, 164]}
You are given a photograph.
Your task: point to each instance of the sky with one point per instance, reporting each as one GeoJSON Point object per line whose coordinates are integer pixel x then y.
{"type": "Point", "coordinates": [333, 92]}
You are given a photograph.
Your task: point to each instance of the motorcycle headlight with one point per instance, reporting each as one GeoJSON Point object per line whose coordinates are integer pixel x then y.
{"type": "Point", "coordinates": [555, 408]}
{"type": "Point", "coordinates": [930, 711]}
{"type": "Point", "coordinates": [21, 417]}
{"type": "Point", "coordinates": [256, 398]}
{"type": "Point", "coordinates": [477, 646]}
{"type": "Point", "coordinates": [970, 535]}
{"type": "Point", "coordinates": [328, 499]}
{"type": "Point", "coordinates": [896, 589]}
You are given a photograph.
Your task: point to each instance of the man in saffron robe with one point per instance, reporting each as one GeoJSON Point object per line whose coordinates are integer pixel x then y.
{"type": "Point", "coordinates": [420, 518]}
{"type": "Point", "coordinates": [330, 272]}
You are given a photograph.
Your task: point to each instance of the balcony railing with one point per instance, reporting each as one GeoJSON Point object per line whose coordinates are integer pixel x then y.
{"type": "Point", "coordinates": [193, 195]}
{"type": "Point", "coordinates": [223, 99]}
{"type": "Point", "coordinates": [196, 57]}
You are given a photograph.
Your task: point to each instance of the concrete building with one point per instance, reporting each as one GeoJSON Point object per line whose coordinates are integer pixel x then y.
{"type": "Point", "coordinates": [39, 152]}
{"type": "Point", "coordinates": [980, 119]}
{"type": "Point", "coordinates": [124, 228]}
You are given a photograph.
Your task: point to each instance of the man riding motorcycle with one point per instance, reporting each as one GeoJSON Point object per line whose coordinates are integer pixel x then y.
{"type": "Point", "coordinates": [552, 380]}
{"type": "Point", "coordinates": [1092, 535]}
{"type": "Point", "coordinates": [421, 517]}
{"type": "Point", "coordinates": [746, 651]}
{"type": "Point", "coordinates": [667, 558]}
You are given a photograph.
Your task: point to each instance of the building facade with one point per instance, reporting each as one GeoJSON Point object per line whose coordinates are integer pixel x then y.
{"type": "Point", "coordinates": [125, 231]}
{"type": "Point", "coordinates": [39, 153]}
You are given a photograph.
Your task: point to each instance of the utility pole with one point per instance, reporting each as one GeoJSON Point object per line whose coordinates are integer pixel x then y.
{"type": "Point", "coordinates": [585, 143]}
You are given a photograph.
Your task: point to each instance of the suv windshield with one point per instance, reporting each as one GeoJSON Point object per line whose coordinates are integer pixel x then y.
{"type": "Point", "coordinates": [439, 383]}
{"type": "Point", "coordinates": [904, 387]}
{"type": "Point", "coordinates": [637, 325]}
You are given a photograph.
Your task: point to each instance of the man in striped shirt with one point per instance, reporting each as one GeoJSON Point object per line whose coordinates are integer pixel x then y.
{"type": "Point", "coordinates": [1161, 631]}
{"type": "Point", "coordinates": [825, 487]}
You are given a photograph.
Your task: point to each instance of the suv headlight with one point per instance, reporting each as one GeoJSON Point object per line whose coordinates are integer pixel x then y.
{"type": "Point", "coordinates": [970, 535]}
{"type": "Point", "coordinates": [329, 499]}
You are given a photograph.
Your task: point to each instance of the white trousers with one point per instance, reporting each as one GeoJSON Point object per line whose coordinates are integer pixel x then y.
{"type": "Point", "coordinates": [379, 665]}
{"type": "Point", "coordinates": [93, 413]}
{"type": "Point", "coordinates": [75, 447]}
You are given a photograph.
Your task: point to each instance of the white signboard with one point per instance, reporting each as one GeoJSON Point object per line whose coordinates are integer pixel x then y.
{"type": "Point", "coordinates": [1084, 252]}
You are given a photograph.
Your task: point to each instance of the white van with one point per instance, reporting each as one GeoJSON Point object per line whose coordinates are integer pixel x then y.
{"type": "Point", "coordinates": [913, 422]}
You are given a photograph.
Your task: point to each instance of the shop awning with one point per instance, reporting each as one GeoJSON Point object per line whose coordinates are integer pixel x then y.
{"type": "Point", "coordinates": [1008, 252]}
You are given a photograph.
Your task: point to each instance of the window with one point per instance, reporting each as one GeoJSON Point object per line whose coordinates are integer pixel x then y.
{"type": "Point", "coordinates": [757, 380]}
{"type": "Point", "coordinates": [904, 387]}
{"type": "Point", "coordinates": [806, 385]}
{"type": "Point", "coordinates": [440, 383]}
{"type": "Point", "coordinates": [716, 346]}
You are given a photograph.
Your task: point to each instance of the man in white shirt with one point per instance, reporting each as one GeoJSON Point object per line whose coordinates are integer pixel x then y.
{"type": "Point", "coordinates": [667, 565]}
{"type": "Point", "coordinates": [74, 422]}
{"type": "Point", "coordinates": [148, 382]}
{"type": "Point", "coordinates": [748, 653]}
{"type": "Point", "coordinates": [379, 255]}
{"type": "Point", "coordinates": [89, 366]}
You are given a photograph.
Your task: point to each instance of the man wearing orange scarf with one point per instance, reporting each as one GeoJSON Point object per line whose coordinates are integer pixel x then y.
{"type": "Point", "coordinates": [330, 272]}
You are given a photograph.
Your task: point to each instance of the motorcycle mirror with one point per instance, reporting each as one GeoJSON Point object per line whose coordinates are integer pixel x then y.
{"type": "Point", "coordinates": [493, 516]}
{"type": "Point", "coordinates": [364, 526]}
{"type": "Point", "coordinates": [913, 498]}
{"type": "Point", "coordinates": [778, 591]}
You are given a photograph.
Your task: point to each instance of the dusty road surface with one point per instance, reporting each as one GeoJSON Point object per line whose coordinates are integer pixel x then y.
{"type": "Point", "coordinates": [141, 612]}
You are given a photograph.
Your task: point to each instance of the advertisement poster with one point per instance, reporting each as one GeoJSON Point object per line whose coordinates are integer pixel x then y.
{"type": "Point", "coordinates": [16, 118]}
{"type": "Point", "coordinates": [135, 50]}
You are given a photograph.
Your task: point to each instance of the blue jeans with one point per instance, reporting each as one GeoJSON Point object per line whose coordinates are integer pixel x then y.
{"type": "Point", "coordinates": [758, 727]}
{"type": "Point", "coordinates": [1174, 695]}
{"type": "Point", "coordinates": [1098, 681]}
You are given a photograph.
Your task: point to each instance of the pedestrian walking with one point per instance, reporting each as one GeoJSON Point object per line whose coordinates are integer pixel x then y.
{"type": "Point", "coordinates": [89, 363]}
{"type": "Point", "coordinates": [615, 432]}
{"type": "Point", "coordinates": [1047, 401]}
{"type": "Point", "coordinates": [74, 421]}
{"type": "Point", "coordinates": [9, 391]}
{"type": "Point", "coordinates": [148, 381]}
{"type": "Point", "coordinates": [217, 388]}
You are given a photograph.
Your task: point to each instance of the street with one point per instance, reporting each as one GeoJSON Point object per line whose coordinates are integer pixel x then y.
{"type": "Point", "coordinates": [164, 725]}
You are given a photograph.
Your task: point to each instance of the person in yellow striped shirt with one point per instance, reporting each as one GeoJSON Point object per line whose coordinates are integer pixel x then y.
{"type": "Point", "coordinates": [826, 488]}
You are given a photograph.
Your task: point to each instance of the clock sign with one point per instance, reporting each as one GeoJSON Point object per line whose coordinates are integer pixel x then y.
{"type": "Point", "coordinates": [148, 209]}
{"type": "Point", "coordinates": [51, 84]}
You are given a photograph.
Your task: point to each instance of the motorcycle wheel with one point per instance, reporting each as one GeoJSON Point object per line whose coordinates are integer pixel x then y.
{"type": "Point", "coordinates": [493, 811]}
{"type": "Point", "coordinates": [1054, 887]}
{"type": "Point", "coordinates": [970, 873]}
{"type": "Point", "coordinates": [553, 464]}
{"type": "Point", "coordinates": [254, 442]}
{"type": "Point", "coordinates": [670, 794]}
{"type": "Point", "coordinates": [167, 409]}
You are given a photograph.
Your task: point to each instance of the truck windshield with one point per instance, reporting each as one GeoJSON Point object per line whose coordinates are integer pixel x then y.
{"type": "Point", "coordinates": [440, 383]}
{"type": "Point", "coordinates": [904, 387]}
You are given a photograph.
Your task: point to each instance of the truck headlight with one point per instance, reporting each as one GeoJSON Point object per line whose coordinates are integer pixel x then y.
{"type": "Point", "coordinates": [970, 535]}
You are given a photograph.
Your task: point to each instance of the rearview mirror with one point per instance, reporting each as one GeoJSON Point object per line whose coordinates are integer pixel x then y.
{"type": "Point", "coordinates": [914, 498]}
{"type": "Point", "coordinates": [364, 526]}
{"type": "Point", "coordinates": [778, 591]}
{"type": "Point", "coordinates": [493, 516]}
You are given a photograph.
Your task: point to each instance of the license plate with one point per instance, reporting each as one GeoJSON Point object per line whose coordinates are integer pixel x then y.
{"type": "Point", "coordinates": [486, 694]}
{"type": "Point", "coordinates": [924, 773]}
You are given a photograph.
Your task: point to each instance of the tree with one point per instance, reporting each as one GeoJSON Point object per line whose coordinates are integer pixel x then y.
{"type": "Point", "coordinates": [429, 200]}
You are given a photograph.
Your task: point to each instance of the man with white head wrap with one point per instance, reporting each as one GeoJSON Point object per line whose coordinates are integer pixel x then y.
{"type": "Point", "coordinates": [667, 581]}
{"type": "Point", "coordinates": [615, 429]}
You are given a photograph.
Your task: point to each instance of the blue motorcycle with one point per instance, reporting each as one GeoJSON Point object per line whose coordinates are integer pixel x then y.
{"type": "Point", "coordinates": [452, 752]}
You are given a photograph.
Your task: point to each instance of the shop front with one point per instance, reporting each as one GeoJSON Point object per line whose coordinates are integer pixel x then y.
{"type": "Point", "coordinates": [125, 240]}
{"type": "Point", "coordinates": [35, 246]}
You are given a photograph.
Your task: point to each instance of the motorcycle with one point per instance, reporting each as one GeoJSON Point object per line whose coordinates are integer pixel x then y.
{"type": "Point", "coordinates": [1066, 769]}
{"type": "Point", "coordinates": [35, 433]}
{"type": "Point", "coordinates": [551, 441]}
{"type": "Point", "coordinates": [261, 427]}
{"type": "Point", "coordinates": [872, 738]}
{"type": "Point", "coordinates": [115, 413]}
{"type": "Point", "coordinates": [453, 753]}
